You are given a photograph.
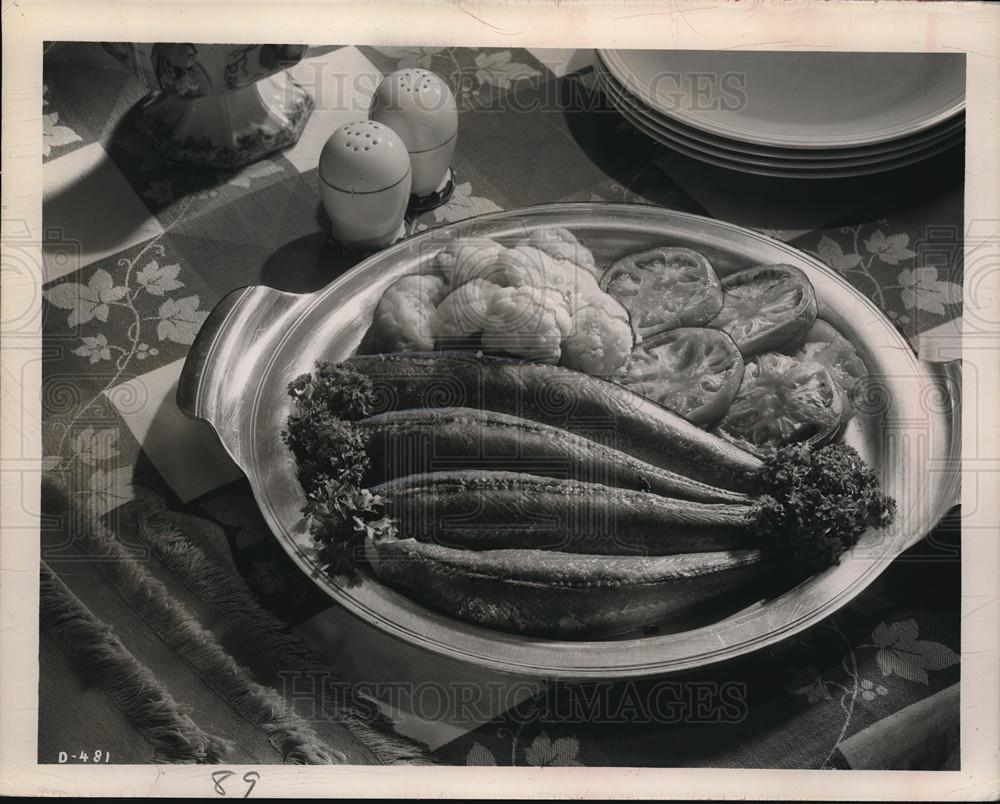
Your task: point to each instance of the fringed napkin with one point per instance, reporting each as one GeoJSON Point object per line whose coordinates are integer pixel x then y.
{"type": "Point", "coordinates": [153, 650]}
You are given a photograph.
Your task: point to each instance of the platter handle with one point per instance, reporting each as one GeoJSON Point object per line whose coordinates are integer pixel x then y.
{"type": "Point", "coordinates": [199, 358]}
{"type": "Point", "coordinates": [208, 387]}
{"type": "Point", "coordinates": [949, 376]}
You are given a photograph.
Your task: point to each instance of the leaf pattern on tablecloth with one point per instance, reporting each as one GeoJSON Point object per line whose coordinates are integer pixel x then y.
{"type": "Point", "coordinates": [899, 653]}
{"type": "Point", "coordinates": [472, 75]}
{"type": "Point", "coordinates": [180, 320]}
{"type": "Point", "coordinates": [86, 302]}
{"type": "Point", "coordinates": [823, 688]}
{"type": "Point", "coordinates": [902, 654]}
{"type": "Point", "coordinates": [870, 690]}
{"type": "Point", "coordinates": [644, 187]}
{"type": "Point", "coordinates": [92, 469]}
{"type": "Point", "coordinates": [499, 70]}
{"type": "Point", "coordinates": [158, 279]}
{"type": "Point", "coordinates": [921, 289]}
{"type": "Point", "coordinates": [810, 683]}
{"type": "Point", "coordinates": [144, 350]}
{"type": "Point", "coordinates": [886, 267]}
{"type": "Point", "coordinates": [54, 135]}
{"type": "Point", "coordinates": [543, 752]}
{"type": "Point", "coordinates": [407, 57]}
{"type": "Point", "coordinates": [93, 447]}
{"type": "Point", "coordinates": [834, 671]}
{"type": "Point", "coordinates": [890, 248]}
{"type": "Point", "coordinates": [480, 755]}
{"type": "Point", "coordinates": [125, 309]}
{"type": "Point", "coordinates": [830, 251]}
{"type": "Point", "coordinates": [87, 459]}
{"type": "Point", "coordinates": [94, 347]}
{"type": "Point", "coordinates": [463, 204]}
{"type": "Point", "coordinates": [177, 319]}
{"type": "Point", "coordinates": [109, 488]}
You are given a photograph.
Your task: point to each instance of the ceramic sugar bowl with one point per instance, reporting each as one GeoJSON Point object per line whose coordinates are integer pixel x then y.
{"type": "Point", "coordinates": [224, 106]}
{"type": "Point", "coordinates": [420, 107]}
{"type": "Point", "coordinates": [365, 180]}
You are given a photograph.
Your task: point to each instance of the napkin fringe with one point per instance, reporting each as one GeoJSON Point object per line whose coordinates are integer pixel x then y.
{"type": "Point", "coordinates": [292, 736]}
{"type": "Point", "coordinates": [216, 586]}
{"type": "Point", "coordinates": [135, 691]}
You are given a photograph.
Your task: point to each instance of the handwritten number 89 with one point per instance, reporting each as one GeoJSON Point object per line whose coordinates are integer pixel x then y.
{"type": "Point", "coordinates": [250, 778]}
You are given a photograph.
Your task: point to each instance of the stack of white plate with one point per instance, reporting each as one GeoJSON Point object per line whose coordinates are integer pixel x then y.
{"type": "Point", "coordinates": [791, 115]}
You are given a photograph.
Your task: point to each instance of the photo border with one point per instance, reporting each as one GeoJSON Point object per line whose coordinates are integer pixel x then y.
{"type": "Point", "coordinates": [973, 28]}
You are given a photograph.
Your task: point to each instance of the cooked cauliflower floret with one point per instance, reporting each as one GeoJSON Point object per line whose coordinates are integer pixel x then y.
{"type": "Point", "coordinates": [538, 300]}
{"type": "Point", "coordinates": [462, 313]}
{"type": "Point", "coordinates": [601, 340]}
{"type": "Point", "coordinates": [604, 302]}
{"type": "Point", "coordinates": [511, 268]}
{"type": "Point", "coordinates": [569, 279]}
{"type": "Point", "coordinates": [561, 243]}
{"type": "Point", "coordinates": [465, 258]}
{"type": "Point", "coordinates": [403, 320]}
{"type": "Point", "coordinates": [526, 265]}
{"type": "Point", "coordinates": [527, 322]}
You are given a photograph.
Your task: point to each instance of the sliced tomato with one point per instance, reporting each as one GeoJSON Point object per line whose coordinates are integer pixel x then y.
{"type": "Point", "coordinates": [665, 288]}
{"type": "Point", "coordinates": [766, 308]}
{"type": "Point", "coordinates": [783, 400]}
{"type": "Point", "coordinates": [822, 331]}
{"type": "Point", "coordinates": [840, 357]}
{"type": "Point", "coordinates": [692, 371]}
{"type": "Point", "coordinates": [824, 344]}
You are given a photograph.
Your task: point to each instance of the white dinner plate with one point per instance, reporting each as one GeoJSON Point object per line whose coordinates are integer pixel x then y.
{"type": "Point", "coordinates": [831, 173]}
{"type": "Point", "coordinates": [734, 149]}
{"type": "Point", "coordinates": [803, 100]}
{"type": "Point", "coordinates": [799, 169]}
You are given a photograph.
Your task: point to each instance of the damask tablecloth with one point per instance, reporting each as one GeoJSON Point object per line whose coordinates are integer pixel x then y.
{"type": "Point", "coordinates": [137, 251]}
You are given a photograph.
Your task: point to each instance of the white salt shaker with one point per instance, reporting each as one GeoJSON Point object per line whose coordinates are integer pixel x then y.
{"type": "Point", "coordinates": [420, 107]}
{"type": "Point", "coordinates": [365, 180]}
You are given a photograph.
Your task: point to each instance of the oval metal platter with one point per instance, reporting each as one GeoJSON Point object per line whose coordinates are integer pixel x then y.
{"type": "Point", "coordinates": [257, 339]}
